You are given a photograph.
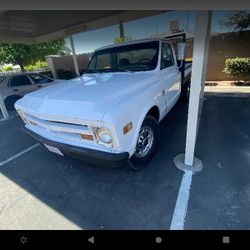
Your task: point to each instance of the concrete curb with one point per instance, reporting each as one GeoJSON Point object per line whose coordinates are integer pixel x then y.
{"type": "Point", "coordinates": [227, 94]}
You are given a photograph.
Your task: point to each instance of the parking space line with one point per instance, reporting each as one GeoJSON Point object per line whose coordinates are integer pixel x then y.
{"type": "Point", "coordinates": [9, 118]}
{"type": "Point", "coordinates": [181, 205]}
{"type": "Point", "coordinates": [19, 154]}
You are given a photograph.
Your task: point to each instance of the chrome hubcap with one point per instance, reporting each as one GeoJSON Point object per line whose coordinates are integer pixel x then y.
{"type": "Point", "coordinates": [144, 142]}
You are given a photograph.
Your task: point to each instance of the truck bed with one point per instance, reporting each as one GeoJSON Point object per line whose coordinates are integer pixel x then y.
{"type": "Point", "coordinates": [187, 71]}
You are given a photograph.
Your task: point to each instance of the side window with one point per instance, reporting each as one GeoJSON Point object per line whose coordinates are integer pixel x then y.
{"type": "Point", "coordinates": [167, 59]}
{"type": "Point", "coordinates": [17, 81]}
{"type": "Point", "coordinates": [39, 78]}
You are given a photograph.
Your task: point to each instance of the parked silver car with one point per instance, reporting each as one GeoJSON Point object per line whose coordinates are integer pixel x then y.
{"type": "Point", "coordinates": [15, 86]}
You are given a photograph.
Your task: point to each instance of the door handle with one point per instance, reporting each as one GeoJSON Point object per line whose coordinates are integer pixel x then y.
{"type": "Point", "coordinates": [15, 90]}
{"type": "Point", "coordinates": [39, 86]}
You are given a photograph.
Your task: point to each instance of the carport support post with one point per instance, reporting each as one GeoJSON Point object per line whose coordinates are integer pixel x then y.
{"type": "Point", "coordinates": [3, 108]}
{"type": "Point", "coordinates": [74, 55]}
{"type": "Point", "coordinates": [187, 161]}
{"type": "Point", "coordinates": [51, 64]}
{"type": "Point", "coordinates": [200, 53]}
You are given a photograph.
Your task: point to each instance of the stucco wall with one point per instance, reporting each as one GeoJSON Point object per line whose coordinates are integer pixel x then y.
{"type": "Point", "coordinates": [221, 47]}
{"type": "Point", "coordinates": [66, 62]}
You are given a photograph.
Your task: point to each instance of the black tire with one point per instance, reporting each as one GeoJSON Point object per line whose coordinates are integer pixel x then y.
{"type": "Point", "coordinates": [10, 101]}
{"type": "Point", "coordinates": [140, 158]}
{"type": "Point", "coordinates": [185, 91]}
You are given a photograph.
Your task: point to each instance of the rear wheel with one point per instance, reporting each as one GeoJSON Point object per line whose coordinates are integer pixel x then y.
{"type": "Point", "coordinates": [147, 141]}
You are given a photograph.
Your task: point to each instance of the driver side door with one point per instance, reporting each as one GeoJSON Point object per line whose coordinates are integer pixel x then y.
{"type": "Point", "coordinates": [169, 76]}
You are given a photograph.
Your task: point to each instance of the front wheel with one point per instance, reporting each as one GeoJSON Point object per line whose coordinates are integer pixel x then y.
{"type": "Point", "coordinates": [147, 141]}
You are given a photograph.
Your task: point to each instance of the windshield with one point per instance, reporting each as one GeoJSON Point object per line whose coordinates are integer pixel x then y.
{"type": "Point", "coordinates": [133, 57]}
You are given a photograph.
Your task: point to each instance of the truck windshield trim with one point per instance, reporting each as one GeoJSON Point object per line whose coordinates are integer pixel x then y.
{"type": "Point", "coordinates": [130, 58]}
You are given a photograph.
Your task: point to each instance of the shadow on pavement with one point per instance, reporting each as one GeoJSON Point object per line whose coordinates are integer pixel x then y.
{"type": "Point", "coordinates": [101, 198]}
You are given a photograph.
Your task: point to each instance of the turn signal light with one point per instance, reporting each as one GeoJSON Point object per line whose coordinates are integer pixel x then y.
{"type": "Point", "coordinates": [127, 128]}
{"type": "Point", "coordinates": [87, 137]}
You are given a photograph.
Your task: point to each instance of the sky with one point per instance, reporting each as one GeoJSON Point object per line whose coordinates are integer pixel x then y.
{"type": "Point", "coordinates": [141, 28]}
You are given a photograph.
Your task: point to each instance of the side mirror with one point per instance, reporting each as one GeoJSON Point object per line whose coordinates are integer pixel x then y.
{"type": "Point", "coordinates": [180, 51]}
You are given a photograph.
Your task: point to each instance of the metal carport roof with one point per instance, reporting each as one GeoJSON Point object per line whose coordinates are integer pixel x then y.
{"type": "Point", "coordinates": [32, 26]}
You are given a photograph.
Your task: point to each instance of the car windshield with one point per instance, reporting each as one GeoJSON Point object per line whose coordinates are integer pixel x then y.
{"type": "Point", "coordinates": [127, 58]}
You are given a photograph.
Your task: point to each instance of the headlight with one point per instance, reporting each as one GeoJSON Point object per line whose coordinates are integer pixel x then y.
{"type": "Point", "coordinates": [104, 135]}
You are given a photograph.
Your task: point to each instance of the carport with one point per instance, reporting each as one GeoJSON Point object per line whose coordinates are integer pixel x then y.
{"type": "Point", "coordinates": [25, 28]}
{"type": "Point", "coordinates": [36, 26]}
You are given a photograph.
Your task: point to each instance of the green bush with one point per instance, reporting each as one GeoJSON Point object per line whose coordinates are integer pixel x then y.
{"type": "Point", "coordinates": [38, 65]}
{"type": "Point", "coordinates": [238, 68]}
{"type": "Point", "coordinates": [7, 68]}
{"type": "Point", "coordinates": [41, 65]}
{"type": "Point", "coordinates": [29, 67]}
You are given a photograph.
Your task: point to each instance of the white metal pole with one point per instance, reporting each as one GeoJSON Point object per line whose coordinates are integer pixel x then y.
{"type": "Point", "coordinates": [74, 55]}
{"type": "Point", "coordinates": [200, 52]}
{"type": "Point", "coordinates": [3, 108]}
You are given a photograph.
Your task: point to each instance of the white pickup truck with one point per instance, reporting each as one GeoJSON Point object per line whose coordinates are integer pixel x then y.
{"type": "Point", "coordinates": [109, 115]}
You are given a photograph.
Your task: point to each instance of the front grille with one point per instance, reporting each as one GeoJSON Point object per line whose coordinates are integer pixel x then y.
{"type": "Point", "coordinates": [67, 123]}
{"type": "Point", "coordinates": [62, 130]}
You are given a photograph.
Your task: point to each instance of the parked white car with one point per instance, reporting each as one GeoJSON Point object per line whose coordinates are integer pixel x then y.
{"type": "Point", "coordinates": [15, 86]}
{"type": "Point", "coordinates": [110, 115]}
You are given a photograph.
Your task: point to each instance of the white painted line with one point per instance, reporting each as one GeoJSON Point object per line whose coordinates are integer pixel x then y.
{"type": "Point", "coordinates": [181, 205]}
{"type": "Point", "coordinates": [19, 154]}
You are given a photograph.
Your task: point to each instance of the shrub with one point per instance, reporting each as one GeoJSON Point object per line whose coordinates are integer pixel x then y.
{"type": "Point", "coordinates": [38, 65]}
{"type": "Point", "coordinates": [29, 67]}
{"type": "Point", "coordinates": [65, 74]}
{"type": "Point", "coordinates": [238, 68]}
{"type": "Point", "coordinates": [41, 65]}
{"type": "Point", "coordinates": [7, 68]}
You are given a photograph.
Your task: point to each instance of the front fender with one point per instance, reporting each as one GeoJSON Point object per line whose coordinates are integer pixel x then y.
{"type": "Point", "coordinates": [141, 118]}
{"type": "Point", "coordinates": [123, 113]}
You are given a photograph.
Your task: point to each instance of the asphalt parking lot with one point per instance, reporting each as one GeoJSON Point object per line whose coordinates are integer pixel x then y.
{"type": "Point", "coordinates": [42, 190]}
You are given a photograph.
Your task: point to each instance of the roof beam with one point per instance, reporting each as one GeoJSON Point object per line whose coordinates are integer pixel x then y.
{"type": "Point", "coordinates": [110, 20]}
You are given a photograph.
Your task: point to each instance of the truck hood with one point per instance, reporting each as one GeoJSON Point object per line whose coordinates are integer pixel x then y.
{"type": "Point", "coordinates": [87, 97]}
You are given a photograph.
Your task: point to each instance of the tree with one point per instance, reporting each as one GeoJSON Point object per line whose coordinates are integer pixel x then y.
{"type": "Point", "coordinates": [24, 54]}
{"type": "Point", "coordinates": [122, 38]}
{"type": "Point", "coordinates": [237, 21]}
